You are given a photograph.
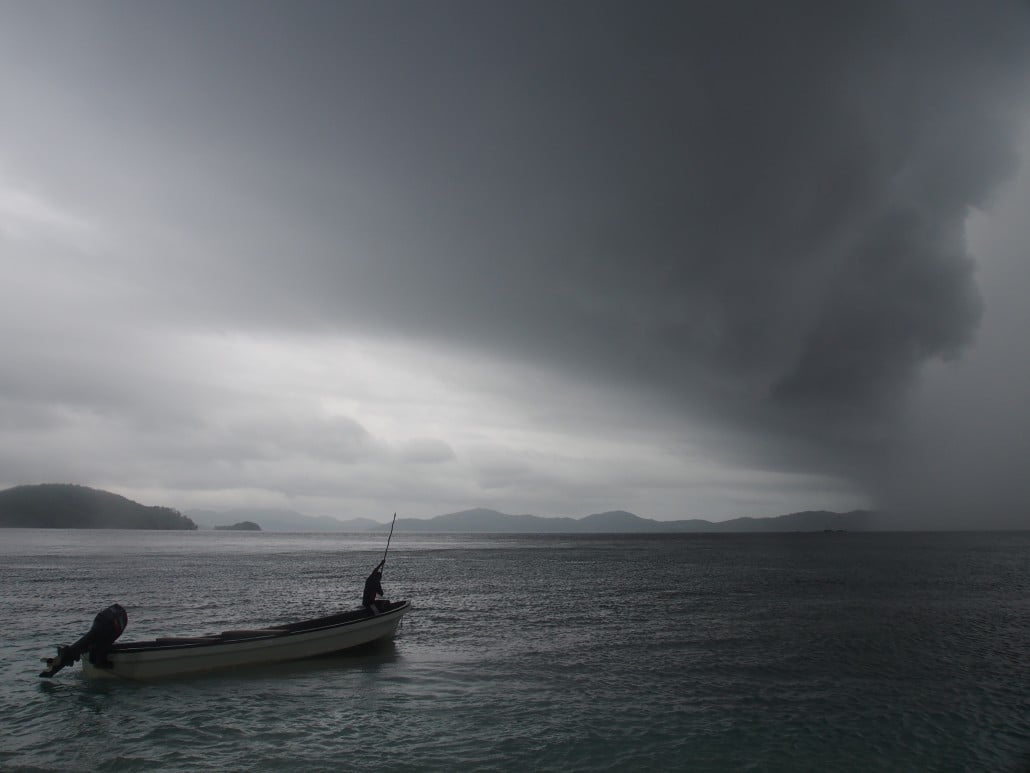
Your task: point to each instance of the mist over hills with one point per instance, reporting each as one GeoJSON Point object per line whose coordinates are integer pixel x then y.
{"type": "Point", "coordinates": [273, 519]}
{"type": "Point", "coordinates": [57, 505]}
{"type": "Point", "coordinates": [486, 521]}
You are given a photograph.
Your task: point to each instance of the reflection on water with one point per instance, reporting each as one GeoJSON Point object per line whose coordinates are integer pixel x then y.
{"type": "Point", "coordinates": [370, 658]}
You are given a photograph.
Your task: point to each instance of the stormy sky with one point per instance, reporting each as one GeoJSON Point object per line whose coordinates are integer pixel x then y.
{"type": "Point", "coordinates": [685, 259]}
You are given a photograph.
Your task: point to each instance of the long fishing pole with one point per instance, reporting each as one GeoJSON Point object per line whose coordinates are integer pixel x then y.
{"type": "Point", "coordinates": [390, 537]}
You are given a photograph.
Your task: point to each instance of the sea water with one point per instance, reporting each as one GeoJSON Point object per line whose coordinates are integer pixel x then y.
{"type": "Point", "coordinates": [792, 652]}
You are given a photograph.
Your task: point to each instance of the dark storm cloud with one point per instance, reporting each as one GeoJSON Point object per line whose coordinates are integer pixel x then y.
{"type": "Point", "coordinates": [753, 209]}
{"type": "Point", "coordinates": [758, 206]}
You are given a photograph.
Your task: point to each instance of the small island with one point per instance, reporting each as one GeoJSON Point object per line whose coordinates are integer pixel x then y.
{"type": "Point", "coordinates": [241, 526]}
{"type": "Point", "coordinates": [68, 506]}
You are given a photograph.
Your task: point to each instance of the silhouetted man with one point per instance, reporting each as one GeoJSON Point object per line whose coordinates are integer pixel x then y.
{"type": "Point", "coordinates": [373, 588]}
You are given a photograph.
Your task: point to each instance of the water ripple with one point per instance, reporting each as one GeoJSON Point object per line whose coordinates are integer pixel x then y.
{"type": "Point", "coordinates": [766, 653]}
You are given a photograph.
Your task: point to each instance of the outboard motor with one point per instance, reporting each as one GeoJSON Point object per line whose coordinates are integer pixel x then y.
{"type": "Point", "coordinates": [107, 626]}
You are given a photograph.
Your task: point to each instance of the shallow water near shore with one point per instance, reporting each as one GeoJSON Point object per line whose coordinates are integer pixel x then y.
{"type": "Point", "coordinates": [828, 651]}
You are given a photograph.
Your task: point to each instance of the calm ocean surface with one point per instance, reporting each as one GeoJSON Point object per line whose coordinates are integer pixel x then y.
{"type": "Point", "coordinates": [793, 652]}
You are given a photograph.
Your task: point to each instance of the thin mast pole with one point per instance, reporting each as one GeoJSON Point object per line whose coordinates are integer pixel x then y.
{"type": "Point", "coordinates": [394, 521]}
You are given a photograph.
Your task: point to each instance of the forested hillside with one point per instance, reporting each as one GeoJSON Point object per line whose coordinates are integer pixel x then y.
{"type": "Point", "coordinates": [67, 506]}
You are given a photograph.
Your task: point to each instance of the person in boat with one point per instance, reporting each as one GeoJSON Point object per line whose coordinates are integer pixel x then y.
{"type": "Point", "coordinates": [373, 588]}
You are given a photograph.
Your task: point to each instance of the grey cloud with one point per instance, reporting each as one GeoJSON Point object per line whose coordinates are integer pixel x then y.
{"type": "Point", "coordinates": [759, 207]}
{"type": "Point", "coordinates": [752, 210]}
{"type": "Point", "coordinates": [426, 451]}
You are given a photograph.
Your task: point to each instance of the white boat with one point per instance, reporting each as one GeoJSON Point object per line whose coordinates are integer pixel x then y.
{"type": "Point", "coordinates": [181, 655]}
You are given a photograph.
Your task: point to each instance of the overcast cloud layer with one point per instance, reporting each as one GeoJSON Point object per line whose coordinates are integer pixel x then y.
{"type": "Point", "coordinates": [687, 259]}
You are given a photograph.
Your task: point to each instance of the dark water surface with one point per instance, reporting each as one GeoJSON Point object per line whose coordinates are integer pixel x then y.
{"type": "Point", "coordinates": [793, 652]}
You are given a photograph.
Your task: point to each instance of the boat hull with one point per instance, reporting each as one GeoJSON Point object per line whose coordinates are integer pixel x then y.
{"type": "Point", "coordinates": [164, 658]}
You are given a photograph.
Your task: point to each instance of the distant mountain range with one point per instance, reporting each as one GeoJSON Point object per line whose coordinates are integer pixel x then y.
{"type": "Point", "coordinates": [270, 519]}
{"type": "Point", "coordinates": [483, 521]}
{"type": "Point", "coordinates": [59, 505]}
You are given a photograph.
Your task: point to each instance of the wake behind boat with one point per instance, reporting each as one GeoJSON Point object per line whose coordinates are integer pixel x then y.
{"type": "Point", "coordinates": [181, 655]}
